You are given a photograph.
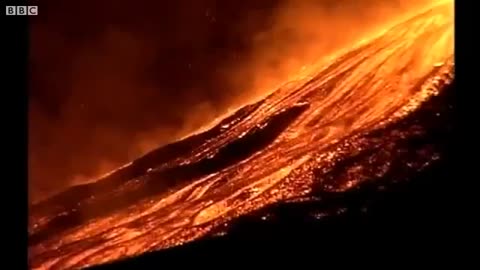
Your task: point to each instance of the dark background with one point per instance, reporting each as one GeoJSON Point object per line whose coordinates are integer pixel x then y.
{"type": "Point", "coordinates": [110, 80]}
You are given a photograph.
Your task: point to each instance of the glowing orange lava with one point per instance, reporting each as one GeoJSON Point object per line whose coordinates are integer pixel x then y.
{"type": "Point", "coordinates": [366, 88]}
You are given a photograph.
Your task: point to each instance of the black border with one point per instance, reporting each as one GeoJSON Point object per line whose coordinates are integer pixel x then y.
{"type": "Point", "coordinates": [14, 129]}
{"type": "Point", "coordinates": [464, 190]}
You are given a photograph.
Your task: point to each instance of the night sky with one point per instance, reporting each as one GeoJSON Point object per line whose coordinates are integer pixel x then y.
{"type": "Point", "coordinates": [110, 80]}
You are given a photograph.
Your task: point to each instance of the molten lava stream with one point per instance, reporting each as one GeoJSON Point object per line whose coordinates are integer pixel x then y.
{"type": "Point", "coordinates": [274, 152]}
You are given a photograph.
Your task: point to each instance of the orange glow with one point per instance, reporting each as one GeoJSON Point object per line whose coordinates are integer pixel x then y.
{"type": "Point", "coordinates": [318, 44]}
{"type": "Point", "coordinates": [381, 79]}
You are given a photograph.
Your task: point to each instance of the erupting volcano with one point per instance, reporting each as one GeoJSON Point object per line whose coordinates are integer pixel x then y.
{"type": "Point", "coordinates": [350, 121]}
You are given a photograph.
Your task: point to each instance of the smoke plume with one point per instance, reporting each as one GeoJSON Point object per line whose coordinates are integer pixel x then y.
{"type": "Point", "coordinates": [111, 81]}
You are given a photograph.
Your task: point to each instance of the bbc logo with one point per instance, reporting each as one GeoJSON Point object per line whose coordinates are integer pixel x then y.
{"type": "Point", "coordinates": [22, 10]}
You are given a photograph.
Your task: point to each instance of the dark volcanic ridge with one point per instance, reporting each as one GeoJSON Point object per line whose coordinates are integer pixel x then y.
{"type": "Point", "coordinates": [405, 203]}
{"type": "Point", "coordinates": [317, 149]}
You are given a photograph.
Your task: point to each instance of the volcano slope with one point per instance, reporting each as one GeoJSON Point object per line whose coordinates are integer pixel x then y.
{"type": "Point", "coordinates": [372, 116]}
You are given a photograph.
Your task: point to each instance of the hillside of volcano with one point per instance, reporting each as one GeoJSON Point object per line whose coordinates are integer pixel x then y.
{"type": "Point", "coordinates": [373, 117]}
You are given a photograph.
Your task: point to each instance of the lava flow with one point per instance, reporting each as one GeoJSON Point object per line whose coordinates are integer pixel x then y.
{"type": "Point", "coordinates": [274, 150]}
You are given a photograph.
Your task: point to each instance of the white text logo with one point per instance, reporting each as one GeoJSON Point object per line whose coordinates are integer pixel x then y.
{"type": "Point", "coordinates": [22, 10]}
